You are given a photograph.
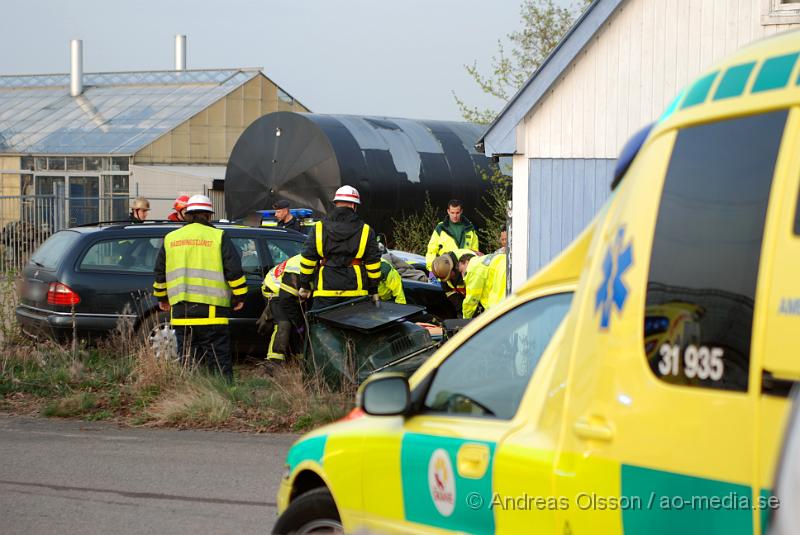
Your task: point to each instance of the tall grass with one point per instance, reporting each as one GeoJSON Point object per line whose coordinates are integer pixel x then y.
{"type": "Point", "coordinates": [123, 378]}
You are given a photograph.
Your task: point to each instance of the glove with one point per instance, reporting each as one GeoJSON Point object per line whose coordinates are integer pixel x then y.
{"type": "Point", "coordinates": [304, 293]}
{"type": "Point", "coordinates": [264, 322]}
{"type": "Point", "coordinates": [376, 300]}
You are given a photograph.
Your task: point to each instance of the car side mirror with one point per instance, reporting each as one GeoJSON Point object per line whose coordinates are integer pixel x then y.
{"type": "Point", "coordinates": [385, 395]}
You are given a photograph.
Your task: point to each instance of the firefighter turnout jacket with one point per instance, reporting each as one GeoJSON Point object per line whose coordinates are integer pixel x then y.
{"type": "Point", "coordinates": [344, 254]}
{"type": "Point", "coordinates": [485, 282]}
{"type": "Point", "coordinates": [442, 241]}
{"type": "Point", "coordinates": [391, 286]}
{"type": "Point", "coordinates": [199, 264]}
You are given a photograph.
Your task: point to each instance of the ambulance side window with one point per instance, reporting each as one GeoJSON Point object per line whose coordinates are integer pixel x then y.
{"type": "Point", "coordinates": [706, 249]}
{"type": "Point", "coordinates": [487, 376]}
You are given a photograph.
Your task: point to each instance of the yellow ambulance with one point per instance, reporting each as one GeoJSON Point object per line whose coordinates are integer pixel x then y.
{"type": "Point", "coordinates": [539, 419]}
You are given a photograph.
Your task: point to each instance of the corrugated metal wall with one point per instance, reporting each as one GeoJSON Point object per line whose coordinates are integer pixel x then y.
{"type": "Point", "coordinates": [647, 52]}
{"type": "Point", "coordinates": [563, 197]}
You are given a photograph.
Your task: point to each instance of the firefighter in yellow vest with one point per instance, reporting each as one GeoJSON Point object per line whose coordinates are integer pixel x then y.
{"type": "Point", "coordinates": [391, 286]}
{"type": "Point", "coordinates": [198, 278]}
{"type": "Point", "coordinates": [281, 289]}
{"type": "Point", "coordinates": [485, 281]}
{"type": "Point", "coordinates": [340, 254]}
{"type": "Point", "coordinates": [455, 232]}
{"type": "Point", "coordinates": [445, 268]}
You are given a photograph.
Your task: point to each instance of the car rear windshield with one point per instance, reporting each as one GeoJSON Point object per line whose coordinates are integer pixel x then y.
{"type": "Point", "coordinates": [51, 252]}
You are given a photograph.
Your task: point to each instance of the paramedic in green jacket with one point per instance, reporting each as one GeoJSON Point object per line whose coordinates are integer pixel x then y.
{"type": "Point", "coordinates": [455, 232]}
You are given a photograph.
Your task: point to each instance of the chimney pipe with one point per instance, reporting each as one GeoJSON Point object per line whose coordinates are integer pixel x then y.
{"type": "Point", "coordinates": [180, 52]}
{"type": "Point", "coordinates": [76, 67]}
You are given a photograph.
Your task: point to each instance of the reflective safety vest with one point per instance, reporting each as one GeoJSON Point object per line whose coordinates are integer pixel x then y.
{"type": "Point", "coordinates": [194, 268]}
{"type": "Point", "coordinates": [485, 282]}
{"type": "Point", "coordinates": [273, 282]}
{"type": "Point", "coordinates": [391, 286]}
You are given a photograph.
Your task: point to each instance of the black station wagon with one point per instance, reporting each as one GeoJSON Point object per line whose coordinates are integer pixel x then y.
{"type": "Point", "coordinates": [105, 272]}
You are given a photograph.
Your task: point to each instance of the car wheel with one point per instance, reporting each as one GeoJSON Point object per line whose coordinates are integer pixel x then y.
{"type": "Point", "coordinates": [160, 337]}
{"type": "Point", "coordinates": [312, 512]}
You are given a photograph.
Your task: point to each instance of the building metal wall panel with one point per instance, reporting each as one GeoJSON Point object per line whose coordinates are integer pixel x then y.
{"type": "Point", "coordinates": [614, 88]}
{"type": "Point", "coordinates": [564, 196]}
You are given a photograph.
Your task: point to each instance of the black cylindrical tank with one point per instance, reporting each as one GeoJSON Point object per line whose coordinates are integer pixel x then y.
{"type": "Point", "coordinates": [305, 157]}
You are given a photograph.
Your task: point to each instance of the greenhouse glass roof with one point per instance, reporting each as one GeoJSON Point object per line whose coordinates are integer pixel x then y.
{"type": "Point", "coordinates": [117, 113]}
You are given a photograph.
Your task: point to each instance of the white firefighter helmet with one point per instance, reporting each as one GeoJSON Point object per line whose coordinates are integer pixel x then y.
{"type": "Point", "coordinates": [347, 194]}
{"type": "Point", "coordinates": [199, 203]}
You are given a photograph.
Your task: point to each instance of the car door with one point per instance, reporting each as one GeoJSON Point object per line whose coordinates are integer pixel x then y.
{"type": "Point", "coordinates": [775, 343]}
{"type": "Point", "coordinates": [670, 432]}
{"type": "Point", "coordinates": [437, 467]}
{"type": "Point", "coordinates": [114, 275]}
{"type": "Point", "coordinates": [243, 322]}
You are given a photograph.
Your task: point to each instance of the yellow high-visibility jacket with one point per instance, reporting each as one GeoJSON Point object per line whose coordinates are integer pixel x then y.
{"type": "Point", "coordinates": [496, 292]}
{"type": "Point", "coordinates": [198, 263]}
{"type": "Point", "coordinates": [390, 288]}
{"type": "Point", "coordinates": [485, 282]}
{"type": "Point", "coordinates": [273, 282]}
{"type": "Point", "coordinates": [442, 241]}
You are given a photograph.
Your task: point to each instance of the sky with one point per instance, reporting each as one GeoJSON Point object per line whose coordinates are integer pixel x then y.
{"type": "Point", "coordinates": [362, 57]}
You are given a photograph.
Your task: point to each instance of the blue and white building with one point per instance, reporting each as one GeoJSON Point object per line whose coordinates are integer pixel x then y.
{"type": "Point", "coordinates": [613, 73]}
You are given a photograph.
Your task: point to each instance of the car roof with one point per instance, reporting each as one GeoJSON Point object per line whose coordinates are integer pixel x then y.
{"type": "Point", "coordinates": [123, 226]}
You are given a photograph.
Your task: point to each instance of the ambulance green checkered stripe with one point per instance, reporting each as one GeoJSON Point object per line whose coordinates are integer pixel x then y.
{"type": "Point", "coordinates": [774, 73]}
{"type": "Point", "coordinates": [310, 449]}
{"type": "Point", "coordinates": [734, 81]}
{"type": "Point", "coordinates": [699, 90]}
{"type": "Point", "coordinates": [418, 505]}
{"type": "Point", "coordinates": [659, 502]}
{"type": "Point", "coordinates": [672, 108]}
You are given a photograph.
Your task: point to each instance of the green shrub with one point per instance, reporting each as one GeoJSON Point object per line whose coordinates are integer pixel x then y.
{"type": "Point", "coordinates": [494, 213]}
{"type": "Point", "coordinates": [412, 232]}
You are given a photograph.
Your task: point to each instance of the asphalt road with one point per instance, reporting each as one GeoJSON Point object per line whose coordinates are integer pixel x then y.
{"type": "Point", "coordinates": [70, 477]}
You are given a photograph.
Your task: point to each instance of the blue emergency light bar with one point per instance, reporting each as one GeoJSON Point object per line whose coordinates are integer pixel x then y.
{"type": "Point", "coordinates": [296, 212]}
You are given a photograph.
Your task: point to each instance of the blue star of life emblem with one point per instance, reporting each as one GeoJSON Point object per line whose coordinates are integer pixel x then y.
{"type": "Point", "coordinates": [612, 292]}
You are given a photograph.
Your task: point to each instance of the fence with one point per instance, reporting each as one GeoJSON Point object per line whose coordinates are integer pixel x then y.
{"type": "Point", "coordinates": [27, 220]}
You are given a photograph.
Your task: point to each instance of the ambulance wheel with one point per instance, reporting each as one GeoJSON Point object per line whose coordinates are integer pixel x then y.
{"type": "Point", "coordinates": [312, 512]}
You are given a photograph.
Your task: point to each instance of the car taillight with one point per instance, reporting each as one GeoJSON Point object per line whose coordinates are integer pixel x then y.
{"type": "Point", "coordinates": [61, 294]}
